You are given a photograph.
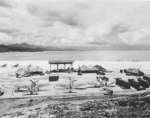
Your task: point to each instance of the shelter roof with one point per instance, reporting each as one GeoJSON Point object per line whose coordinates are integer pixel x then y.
{"type": "Point", "coordinates": [37, 69]}
{"type": "Point", "coordinates": [100, 68]}
{"type": "Point", "coordinates": [61, 61]}
{"type": "Point", "coordinates": [92, 67]}
{"type": "Point", "coordinates": [84, 68]}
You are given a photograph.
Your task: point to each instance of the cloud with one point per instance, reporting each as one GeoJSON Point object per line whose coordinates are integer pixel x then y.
{"type": "Point", "coordinates": [64, 11]}
{"type": "Point", "coordinates": [75, 22]}
{"type": "Point", "coordinates": [7, 3]}
{"type": "Point", "coordinates": [5, 39]}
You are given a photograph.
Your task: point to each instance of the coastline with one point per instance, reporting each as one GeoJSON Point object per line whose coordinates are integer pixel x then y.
{"type": "Point", "coordinates": [77, 55]}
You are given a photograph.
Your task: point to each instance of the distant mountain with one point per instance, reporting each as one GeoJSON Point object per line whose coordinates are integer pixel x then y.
{"type": "Point", "coordinates": [24, 47]}
{"type": "Point", "coordinates": [113, 48]}
{"type": "Point", "coordinates": [19, 48]}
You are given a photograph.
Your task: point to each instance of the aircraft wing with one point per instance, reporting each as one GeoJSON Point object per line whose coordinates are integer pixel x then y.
{"type": "Point", "coordinates": [93, 83]}
{"type": "Point", "coordinates": [42, 85]}
{"type": "Point", "coordinates": [105, 89]}
{"type": "Point", "coordinates": [79, 85]}
{"type": "Point", "coordinates": [62, 85]}
{"type": "Point", "coordinates": [23, 86]}
{"type": "Point", "coordinates": [111, 84]}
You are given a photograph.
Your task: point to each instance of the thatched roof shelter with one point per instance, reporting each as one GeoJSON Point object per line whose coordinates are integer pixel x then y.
{"type": "Point", "coordinates": [92, 67]}
{"type": "Point", "coordinates": [37, 69]}
{"type": "Point", "coordinates": [134, 71]}
{"type": "Point", "coordinates": [28, 70]}
{"type": "Point", "coordinates": [84, 68]}
{"type": "Point", "coordinates": [100, 68]}
{"type": "Point", "coordinates": [23, 70]}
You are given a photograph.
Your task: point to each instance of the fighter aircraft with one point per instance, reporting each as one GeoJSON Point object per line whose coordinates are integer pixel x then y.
{"type": "Point", "coordinates": [34, 87]}
{"type": "Point", "coordinates": [101, 83]}
{"type": "Point", "coordinates": [15, 66]}
{"type": "Point", "coordinates": [98, 83]}
{"type": "Point", "coordinates": [71, 85]}
{"type": "Point", "coordinates": [134, 72]}
{"type": "Point", "coordinates": [4, 65]}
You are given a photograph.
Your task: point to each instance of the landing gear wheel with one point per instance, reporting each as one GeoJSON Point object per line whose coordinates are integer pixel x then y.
{"type": "Point", "coordinates": [17, 89]}
{"type": "Point", "coordinates": [31, 92]}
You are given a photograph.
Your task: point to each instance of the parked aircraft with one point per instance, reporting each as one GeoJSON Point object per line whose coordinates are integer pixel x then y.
{"type": "Point", "coordinates": [15, 66]}
{"type": "Point", "coordinates": [98, 83]}
{"type": "Point", "coordinates": [134, 72]}
{"type": "Point", "coordinates": [34, 87]}
{"type": "Point", "coordinates": [4, 65]}
{"type": "Point", "coordinates": [101, 82]}
{"type": "Point", "coordinates": [71, 85]}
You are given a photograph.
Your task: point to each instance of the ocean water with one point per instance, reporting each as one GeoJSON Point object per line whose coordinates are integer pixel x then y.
{"type": "Point", "coordinates": [111, 60]}
{"type": "Point", "coordinates": [77, 55]}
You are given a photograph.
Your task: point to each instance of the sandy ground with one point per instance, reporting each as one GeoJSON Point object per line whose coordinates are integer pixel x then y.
{"type": "Point", "coordinates": [8, 79]}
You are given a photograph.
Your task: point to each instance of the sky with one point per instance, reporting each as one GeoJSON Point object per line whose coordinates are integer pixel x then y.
{"type": "Point", "coordinates": [75, 22]}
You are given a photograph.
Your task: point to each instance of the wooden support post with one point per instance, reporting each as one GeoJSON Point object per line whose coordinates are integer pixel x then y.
{"type": "Point", "coordinates": [57, 67]}
{"type": "Point", "coordinates": [50, 67]}
{"type": "Point", "coordinates": [71, 65]}
{"type": "Point", "coordinates": [64, 66]}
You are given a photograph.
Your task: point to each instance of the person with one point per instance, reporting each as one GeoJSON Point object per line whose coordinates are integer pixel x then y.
{"type": "Point", "coordinates": [121, 71]}
{"type": "Point", "coordinates": [17, 75]}
{"type": "Point", "coordinates": [105, 83]}
{"type": "Point", "coordinates": [125, 70]}
{"type": "Point", "coordinates": [12, 92]}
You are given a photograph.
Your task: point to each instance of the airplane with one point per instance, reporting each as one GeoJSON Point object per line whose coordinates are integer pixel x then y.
{"type": "Point", "coordinates": [134, 72]}
{"type": "Point", "coordinates": [98, 83]}
{"type": "Point", "coordinates": [71, 85]}
{"type": "Point", "coordinates": [15, 66]}
{"type": "Point", "coordinates": [34, 87]}
{"type": "Point", "coordinates": [101, 83]}
{"type": "Point", "coordinates": [4, 65]}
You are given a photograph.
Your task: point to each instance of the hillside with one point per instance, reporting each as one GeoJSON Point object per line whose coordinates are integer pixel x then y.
{"type": "Point", "coordinates": [24, 47]}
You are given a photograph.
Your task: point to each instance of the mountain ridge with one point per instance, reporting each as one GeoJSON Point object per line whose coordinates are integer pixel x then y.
{"type": "Point", "coordinates": [25, 47]}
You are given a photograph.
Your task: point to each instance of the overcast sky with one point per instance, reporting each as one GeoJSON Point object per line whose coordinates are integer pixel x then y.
{"type": "Point", "coordinates": [75, 22]}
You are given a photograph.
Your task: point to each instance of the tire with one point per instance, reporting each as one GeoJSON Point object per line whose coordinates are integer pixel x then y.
{"type": "Point", "coordinates": [31, 92]}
